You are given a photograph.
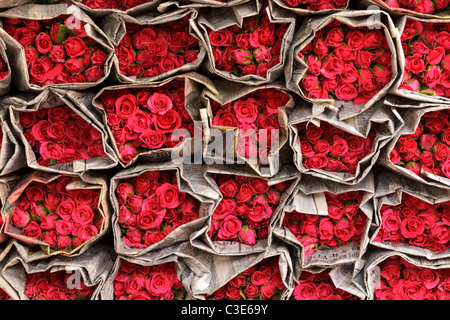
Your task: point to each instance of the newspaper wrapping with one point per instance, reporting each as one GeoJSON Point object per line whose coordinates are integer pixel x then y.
{"type": "Point", "coordinates": [200, 4]}
{"type": "Point", "coordinates": [11, 151]}
{"type": "Point", "coordinates": [229, 92]}
{"type": "Point", "coordinates": [91, 181]}
{"type": "Point", "coordinates": [91, 268]}
{"type": "Point", "coordinates": [223, 268]}
{"type": "Point", "coordinates": [309, 198]}
{"type": "Point", "coordinates": [80, 103]}
{"type": "Point", "coordinates": [306, 12]}
{"type": "Point", "coordinates": [5, 83]}
{"type": "Point", "coordinates": [7, 183]}
{"type": "Point", "coordinates": [395, 88]}
{"type": "Point", "coordinates": [411, 112]}
{"type": "Point", "coordinates": [150, 5]}
{"type": "Point", "coordinates": [16, 52]}
{"type": "Point", "coordinates": [371, 269]}
{"type": "Point", "coordinates": [222, 18]}
{"type": "Point", "coordinates": [387, 118]}
{"type": "Point", "coordinates": [389, 191]}
{"type": "Point", "coordinates": [114, 26]}
{"type": "Point", "coordinates": [193, 86]}
{"type": "Point", "coordinates": [295, 68]}
{"type": "Point", "coordinates": [5, 4]}
{"type": "Point", "coordinates": [190, 180]}
{"type": "Point", "coordinates": [200, 239]}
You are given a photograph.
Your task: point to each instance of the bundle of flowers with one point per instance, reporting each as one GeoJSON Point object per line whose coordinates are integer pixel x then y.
{"type": "Point", "coordinates": [139, 282]}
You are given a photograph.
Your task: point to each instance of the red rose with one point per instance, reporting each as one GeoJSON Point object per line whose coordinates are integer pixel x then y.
{"type": "Point", "coordinates": [220, 38]}
{"type": "Point", "coordinates": [168, 122]}
{"type": "Point", "coordinates": [126, 106]}
{"type": "Point", "coordinates": [245, 193]}
{"type": "Point", "coordinates": [43, 43]}
{"type": "Point", "coordinates": [412, 227]}
{"type": "Point", "coordinates": [346, 91]}
{"type": "Point", "coordinates": [264, 35]}
{"type": "Point", "coordinates": [159, 103]}
{"type": "Point", "coordinates": [230, 227]}
{"type": "Point", "coordinates": [75, 47]}
{"type": "Point", "coordinates": [246, 110]}
{"type": "Point", "coordinates": [169, 196]}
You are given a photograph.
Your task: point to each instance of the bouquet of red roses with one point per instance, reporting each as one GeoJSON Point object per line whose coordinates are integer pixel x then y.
{"type": "Point", "coordinates": [142, 282]}
{"type": "Point", "coordinates": [247, 208]}
{"type": "Point", "coordinates": [59, 135]}
{"type": "Point", "coordinates": [62, 50]}
{"type": "Point", "coordinates": [154, 49]}
{"type": "Point", "coordinates": [54, 286]}
{"type": "Point", "coordinates": [342, 63]}
{"type": "Point", "coordinates": [151, 206]}
{"type": "Point", "coordinates": [252, 52]}
{"type": "Point", "coordinates": [60, 132]}
{"type": "Point", "coordinates": [62, 214]}
{"type": "Point", "coordinates": [303, 7]}
{"type": "Point", "coordinates": [333, 149]}
{"type": "Point", "coordinates": [259, 119]}
{"type": "Point", "coordinates": [425, 51]}
{"type": "Point", "coordinates": [319, 286]}
{"type": "Point", "coordinates": [344, 223]}
{"type": "Point", "coordinates": [142, 119]}
{"type": "Point", "coordinates": [428, 148]}
{"type": "Point", "coordinates": [417, 223]}
{"type": "Point", "coordinates": [261, 281]}
{"type": "Point", "coordinates": [346, 63]}
{"type": "Point", "coordinates": [420, 148]}
{"type": "Point", "coordinates": [401, 279]}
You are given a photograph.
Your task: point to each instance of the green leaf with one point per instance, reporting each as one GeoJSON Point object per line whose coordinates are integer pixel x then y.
{"type": "Point", "coordinates": [241, 292]}
{"type": "Point", "coordinates": [64, 33]}
{"type": "Point", "coordinates": [79, 296]}
{"type": "Point", "coordinates": [53, 161]}
{"type": "Point", "coordinates": [427, 92]}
